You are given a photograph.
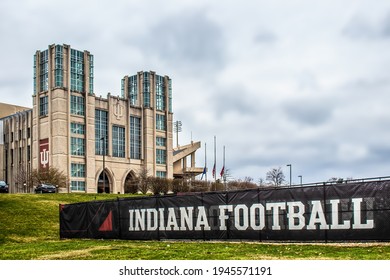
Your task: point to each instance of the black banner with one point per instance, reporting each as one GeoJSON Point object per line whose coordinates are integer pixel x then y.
{"type": "Point", "coordinates": [341, 212]}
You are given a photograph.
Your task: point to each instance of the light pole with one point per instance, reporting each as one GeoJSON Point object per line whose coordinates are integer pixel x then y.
{"type": "Point", "coordinates": [177, 129]}
{"type": "Point", "coordinates": [289, 165]}
{"type": "Point", "coordinates": [103, 139]}
{"type": "Point", "coordinates": [300, 179]}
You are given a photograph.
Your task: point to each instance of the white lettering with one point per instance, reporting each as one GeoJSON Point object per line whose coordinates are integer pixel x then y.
{"type": "Point", "coordinates": [317, 216]}
{"type": "Point", "coordinates": [275, 213]}
{"type": "Point", "coordinates": [171, 221]}
{"type": "Point", "coordinates": [186, 218]}
{"type": "Point", "coordinates": [335, 216]}
{"type": "Point", "coordinates": [131, 220]}
{"type": "Point", "coordinates": [296, 216]}
{"type": "Point", "coordinates": [151, 219]}
{"type": "Point", "coordinates": [222, 216]}
{"type": "Point", "coordinates": [244, 209]}
{"type": "Point", "coordinates": [357, 219]}
{"type": "Point", "coordinates": [202, 219]}
{"type": "Point", "coordinates": [140, 219]}
{"type": "Point", "coordinates": [260, 209]}
{"type": "Point", "coordinates": [162, 221]}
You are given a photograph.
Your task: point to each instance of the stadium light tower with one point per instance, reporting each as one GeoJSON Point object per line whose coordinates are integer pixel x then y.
{"type": "Point", "coordinates": [289, 165]}
{"type": "Point", "coordinates": [177, 129]}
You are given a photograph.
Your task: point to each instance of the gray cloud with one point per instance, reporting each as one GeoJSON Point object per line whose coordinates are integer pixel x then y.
{"type": "Point", "coordinates": [360, 27]}
{"type": "Point", "coordinates": [189, 42]}
{"type": "Point", "coordinates": [309, 111]}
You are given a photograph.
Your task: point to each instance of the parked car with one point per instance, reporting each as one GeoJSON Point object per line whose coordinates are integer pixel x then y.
{"type": "Point", "coordinates": [45, 188]}
{"type": "Point", "coordinates": [3, 187]}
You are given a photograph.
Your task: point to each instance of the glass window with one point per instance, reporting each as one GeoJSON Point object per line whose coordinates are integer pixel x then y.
{"type": "Point", "coordinates": [43, 105]}
{"type": "Point", "coordinates": [101, 132]}
{"type": "Point", "coordinates": [118, 141]}
{"type": "Point", "coordinates": [77, 105]}
{"type": "Point", "coordinates": [77, 70]}
{"type": "Point", "coordinates": [78, 170]}
{"type": "Point", "coordinates": [91, 89]}
{"type": "Point", "coordinates": [161, 141]}
{"type": "Point", "coordinates": [160, 122]}
{"type": "Point", "coordinates": [133, 90]}
{"type": "Point", "coordinates": [77, 146]}
{"type": "Point", "coordinates": [135, 137]}
{"type": "Point", "coordinates": [35, 74]}
{"type": "Point", "coordinates": [160, 94]}
{"type": "Point", "coordinates": [77, 186]}
{"type": "Point", "coordinates": [58, 69]}
{"type": "Point", "coordinates": [77, 128]}
{"type": "Point", "coordinates": [161, 174]}
{"type": "Point", "coordinates": [170, 95]}
{"type": "Point", "coordinates": [44, 71]}
{"type": "Point", "coordinates": [161, 156]}
{"type": "Point", "coordinates": [146, 89]}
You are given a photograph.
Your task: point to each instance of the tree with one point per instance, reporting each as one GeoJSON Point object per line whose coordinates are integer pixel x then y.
{"type": "Point", "coordinates": [159, 185]}
{"type": "Point", "coordinates": [23, 180]}
{"type": "Point", "coordinates": [275, 176]}
{"type": "Point", "coordinates": [143, 180]}
{"type": "Point", "coordinates": [50, 175]}
{"type": "Point", "coordinates": [180, 185]}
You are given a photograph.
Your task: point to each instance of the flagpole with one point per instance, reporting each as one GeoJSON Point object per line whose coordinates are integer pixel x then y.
{"type": "Point", "coordinates": [223, 174]}
{"type": "Point", "coordinates": [205, 160]}
{"type": "Point", "coordinates": [215, 163]}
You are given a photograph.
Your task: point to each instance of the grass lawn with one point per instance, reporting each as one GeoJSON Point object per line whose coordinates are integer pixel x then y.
{"type": "Point", "coordinates": [29, 230]}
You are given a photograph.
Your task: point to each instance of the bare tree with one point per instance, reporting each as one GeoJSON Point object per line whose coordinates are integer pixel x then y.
{"type": "Point", "coordinates": [23, 180]}
{"type": "Point", "coordinates": [180, 185]}
{"type": "Point", "coordinates": [143, 180]}
{"type": "Point", "coordinates": [275, 176]}
{"type": "Point", "coordinates": [50, 175]}
{"type": "Point", "coordinates": [159, 185]}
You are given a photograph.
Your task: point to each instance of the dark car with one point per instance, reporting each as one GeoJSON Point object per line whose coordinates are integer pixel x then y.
{"type": "Point", "coordinates": [3, 187]}
{"type": "Point", "coordinates": [45, 188]}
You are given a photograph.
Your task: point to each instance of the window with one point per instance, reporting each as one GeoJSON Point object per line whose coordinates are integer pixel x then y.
{"type": "Point", "coordinates": [90, 74]}
{"type": "Point", "coordinates": [170, 95]}
{"type": "Point", "coordinates": [133, 90]}
{"type": "Point", "coordinates": [135, 137]}
{"type": "Point", "coordinates": [78, 170]}
{"type": "Point", "coordinates": [160, 95]}
{"type": "Point", "coordinates": [160, 122]}
{"type": "Point", "coordinates": [58, 69]}
{"type": "Point", "coordinates": [77, 146]}
{"type": "Point", "coordinates": [28, 153]}
{"type": "Point", "coordinates": [161, 156]}
{"type": "Point", "coordinates": [44, 71]}
{"type": "Point", "coordinates": [76, 70]}
{"type": "Point", "coordinates": [77, 128]}
{"type": "Point", "coordinates": [161, 174]}
{"type": "Point", "coordinates": [77, 105]}
{"type": "Point", "coordinates": [101, 132]}
{"type": "Point", "coordinates": [28, 132]}
{"type": "Point", "coordinates": [161, 142]}
{"type": "Point", "coordinates": [146, 89]}
{"type": "Point", "coordinates": [35, 75]}
{"type": "Point", "coordinates": [77, 186]}
{"type": "Point", "coordinates": [43, 105]}
{"type": "Point", "coordinates": [118, 141]}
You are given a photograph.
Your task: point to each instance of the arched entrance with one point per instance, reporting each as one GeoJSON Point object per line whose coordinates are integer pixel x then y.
{"type": "Point", "coordinates": [103, 183]}
{"type": "Point", "coordinates": [131, 183]}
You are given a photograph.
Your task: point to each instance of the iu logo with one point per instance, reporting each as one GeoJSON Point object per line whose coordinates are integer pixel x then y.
{"type": "Point", "coordinates": [118, 110]}
{"type": "Point", "coordinates": [44, 158]}
{"type": "Point", "coordinates": [44, 153]}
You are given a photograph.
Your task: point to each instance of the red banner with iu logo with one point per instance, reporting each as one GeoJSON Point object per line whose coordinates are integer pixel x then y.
{"type": "Point", "coordinates": [44, 153]}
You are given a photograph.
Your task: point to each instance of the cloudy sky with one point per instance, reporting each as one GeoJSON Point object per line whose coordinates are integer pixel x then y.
{"type": "Point", "coordinates": [305, 83]}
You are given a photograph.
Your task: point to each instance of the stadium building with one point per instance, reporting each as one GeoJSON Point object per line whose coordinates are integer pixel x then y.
{"type": "Point", "coordinates": [98, 143]}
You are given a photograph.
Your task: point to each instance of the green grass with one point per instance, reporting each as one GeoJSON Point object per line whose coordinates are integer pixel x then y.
{"type": "Point", "coordinates": [29, 230]}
